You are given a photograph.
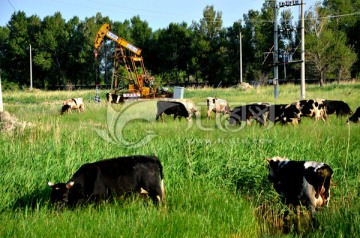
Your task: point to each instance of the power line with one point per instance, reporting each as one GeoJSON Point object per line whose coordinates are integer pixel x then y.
{"type": "Point", "coordinates": [11, 5]}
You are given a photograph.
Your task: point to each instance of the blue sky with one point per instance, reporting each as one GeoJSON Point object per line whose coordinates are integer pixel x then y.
{"type": "Point", "coordinates": [159, 13]}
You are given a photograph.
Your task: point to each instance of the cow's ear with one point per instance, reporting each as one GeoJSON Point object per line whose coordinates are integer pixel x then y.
{"type": "Point", "coordinates": [51, 184]}
{"type": "Point", "coordinates": [268, 160]}
{"type": "Point", "coordinates": [69, 184]}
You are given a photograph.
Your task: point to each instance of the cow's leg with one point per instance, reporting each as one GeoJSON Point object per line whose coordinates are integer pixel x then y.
{"type": "Point", "coordinates": [209, 114]}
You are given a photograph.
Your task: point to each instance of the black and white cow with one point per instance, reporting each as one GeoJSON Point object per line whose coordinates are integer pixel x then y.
{"type": "Point", "coordinates": [72, 104]}
{"type": "Point", "coordinates": [355, 117]}
{"type": "Point", "coordinates": [217, 105]}
{"type": "Point", "coordinates": [172, 108]}
{"type": "Point", "coordinates": [114, 98]}
{"type": "Point", "coordinates": [301, 182]}
{"type": "Point", "coordinates": [337, 107]}
{"type": "Point", "coordinates": [291, 114]}
{"type": "Point", "coordinates": [284, 113]}
{"type": "Point", "coordinates": [313, 108]}
{"type": "Point", "coordinates": [189, 105]}
{"type": "Point", "coordinates": [275, 112]}
{"type": "Point", "coordinates": [257, 111]}
{"type": "Point", "coordinates": [120, 176]}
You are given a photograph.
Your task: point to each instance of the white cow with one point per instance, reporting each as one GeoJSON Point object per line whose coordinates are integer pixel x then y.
{"type": "Point", "coordinates": [217, 105]}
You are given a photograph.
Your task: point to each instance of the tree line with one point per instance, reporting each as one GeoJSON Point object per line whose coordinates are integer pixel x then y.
{"type": "Point", "coordinates": [203, 52]}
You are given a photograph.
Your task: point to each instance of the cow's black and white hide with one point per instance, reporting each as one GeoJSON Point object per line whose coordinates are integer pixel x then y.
{"type": "Point", "coordinates": [301, 182]}
{"type": "Point", "coordinates": [114, 177]}
{"type": "Point", "coordinates": [242, 114]}
{"type": "Point", "coordinates": [114, 98]}
{"type": "Point", "coordinates": [217, 105]}
{"type": "Point", "coordinates": [313, 108]}
{"type": "Point", "coordinates": [72, 104]}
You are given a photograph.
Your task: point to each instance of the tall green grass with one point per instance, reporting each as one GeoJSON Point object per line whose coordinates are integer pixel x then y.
{"type": "Point", "coordinates": [215, 176]}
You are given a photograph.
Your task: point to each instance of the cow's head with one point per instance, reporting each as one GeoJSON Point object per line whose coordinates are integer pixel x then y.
{"type": "Point", "coordinates": [210, 101]}
{"type": "Point", "coordinates": [274, 164]}
{"type": "Point", "coordinates": [197, 112]}
{"type": "Point", "coordinates": [60, 192]}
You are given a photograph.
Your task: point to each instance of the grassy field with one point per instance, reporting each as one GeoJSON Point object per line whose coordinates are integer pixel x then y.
{"type": "Point", "coordinates": [215, 175]}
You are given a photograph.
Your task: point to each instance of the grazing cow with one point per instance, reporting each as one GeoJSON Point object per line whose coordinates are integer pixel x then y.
{"type": "Point", "coordinates": [217, 105]}
{"type": "Point", "coordinates": [176, 108]}
{"type": "Point", "coordinates": [355, 117]}
{"type": "Point", "coordinates": [189, 105]}
{"type": "Point", "coordinates": [301, 182]}
{"type": "Point", "coordinates": [108, 178]}
{"type": "Point", "coordinates": [340, 108]}
{"type": "Point", "coordinates": [275, 112]}
{"type": "Point", "coordinates": [258, 111]}
{"type": "Point", "coordinates": [72, 104]}
{"type": "Point", "coordinates": [113, 98]}
{"type": "Point", "coordinates": [291, 114]}
{"type": "Point", "coordinates": [313, 108]}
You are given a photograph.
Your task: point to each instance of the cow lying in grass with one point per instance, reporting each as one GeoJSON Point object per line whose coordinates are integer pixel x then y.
{"type": "Point", "coordinates": [114, 177]}
{"type": "Point", "coordinates": [72, 104]}
{"type": "Point", "coordinates": [301, 182]}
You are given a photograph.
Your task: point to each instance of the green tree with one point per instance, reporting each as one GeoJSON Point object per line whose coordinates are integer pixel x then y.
{"type": "Point", "coordinates": [326, 49]}
{"type": "Point", "coordinates": [17, 57]}
{"type": "Point", "coordinates": [344, 19]}
{"type": "Point", "coordinates": [4, 42]}
{"type": "Point", "coordinates": [258, 43]}
{"type": "Point", "coordinates": [104, 62]}
{"type": "Point", "coordinates": [140, 33]}
{"type": "Point", "coordinates": [171, 52]}
{"type": "Point", "coordinates": [52, 41]}
{"type": "Point", "coordinates": [208, 46]}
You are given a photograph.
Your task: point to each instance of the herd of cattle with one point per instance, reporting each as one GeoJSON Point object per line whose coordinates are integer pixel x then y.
{"type": "Point", "coordinates": [260, 112]}
{"type": "Point", "coordinates": [297, 182]}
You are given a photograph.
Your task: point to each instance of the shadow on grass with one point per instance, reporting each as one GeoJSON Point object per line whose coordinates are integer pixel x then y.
{"type": "Point", "coordinates": [41, 198]}
{"type": "Point", "coordinates": [38, 198]}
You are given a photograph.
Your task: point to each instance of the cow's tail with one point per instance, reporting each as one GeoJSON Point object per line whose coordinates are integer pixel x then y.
{"type": "Point", "coordinates": [162, 184]}
{"type": "Point", "coordinates": [325, 174]}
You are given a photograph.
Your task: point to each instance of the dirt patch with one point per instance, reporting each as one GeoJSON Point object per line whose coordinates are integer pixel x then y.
{"type": "Point", "coordinates": [9, 123]}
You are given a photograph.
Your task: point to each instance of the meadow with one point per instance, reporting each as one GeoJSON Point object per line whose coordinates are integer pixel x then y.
{"type": "Point", "coordinates": [215, 174]}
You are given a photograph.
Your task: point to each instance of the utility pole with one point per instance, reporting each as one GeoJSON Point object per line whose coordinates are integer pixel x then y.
{"type": "Point", "coordinates": [1, 99]}
{"type": "Point", "coordinates": [302, 74]}
{"type": "Point", "coordinates": [31, 80]}
{"type": "Point", "coordinates": [276, 51]}
{"type": "Point", "coordinates": [240, 36]}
